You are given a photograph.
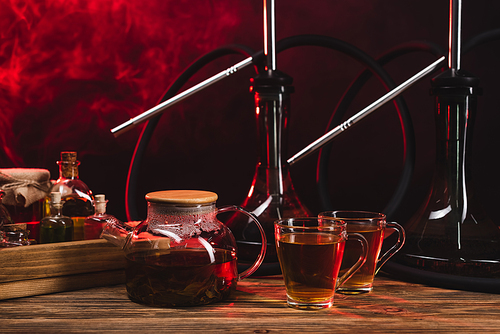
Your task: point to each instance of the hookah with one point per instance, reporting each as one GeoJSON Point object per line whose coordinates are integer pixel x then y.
{"type": "Point", "coordinates": [271, 195]}
{"type": "Point", "coordinates": [450, 240]}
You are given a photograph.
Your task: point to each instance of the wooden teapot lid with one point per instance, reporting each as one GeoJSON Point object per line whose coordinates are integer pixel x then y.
{"type": "Point", "coordinates": [182, 197]}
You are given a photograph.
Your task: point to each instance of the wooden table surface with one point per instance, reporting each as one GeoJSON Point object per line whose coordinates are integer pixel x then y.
{"type": "Point", "coordinates": [259, 306]}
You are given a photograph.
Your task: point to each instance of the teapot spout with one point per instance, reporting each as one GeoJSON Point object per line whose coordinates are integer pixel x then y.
{"type": "Point", "coordinates": [118, 232]}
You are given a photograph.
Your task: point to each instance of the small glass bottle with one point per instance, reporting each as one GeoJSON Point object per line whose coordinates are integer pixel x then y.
{"type": "Point", "coordinates": [94, 224]}
{"type": "Point", "coordinates": [14, 238]}
{"type": "Point", "coordinates": [56, 227]}
{"type": "Point", "coordinates": [75, 194]}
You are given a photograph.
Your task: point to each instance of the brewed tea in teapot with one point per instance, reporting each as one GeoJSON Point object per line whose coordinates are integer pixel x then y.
{"type": "Point", "coordinates": [181, 255]}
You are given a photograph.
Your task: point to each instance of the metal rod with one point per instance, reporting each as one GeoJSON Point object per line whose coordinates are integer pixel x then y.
{"type": "Point", "coordinates": [454, 35]}
{"type": "Point", "coordinates": [179, 97]}
{"type": "Point", "coordinates": [270, 34]}
{"type": "Point", "coordinates": [327, 137]}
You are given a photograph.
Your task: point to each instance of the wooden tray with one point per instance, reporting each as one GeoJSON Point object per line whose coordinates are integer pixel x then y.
{"type": "Point", "coordinates": [42, 269]}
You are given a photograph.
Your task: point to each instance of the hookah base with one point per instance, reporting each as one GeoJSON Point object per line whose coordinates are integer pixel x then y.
{"type": "Point", "coordinates": [447, 281]}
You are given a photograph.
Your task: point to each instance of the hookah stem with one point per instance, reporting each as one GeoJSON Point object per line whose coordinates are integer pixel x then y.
{"type": "Point", "coordinates": [269, 50]}
{"type": "Point", "coordinates": [275, 106]}
{"type": "Point", "coordinates": [442, 279]}
{"type": "Point", "coordinates": [179, 97]}
{"type": "Point", "coordinates": [270, 34]}
{"type": "Point", "coordinates": [454, 35]}
{"type": "Point", "coordinates": [327, 137]}
{"type": "Point", "coordinates": [405, 120]}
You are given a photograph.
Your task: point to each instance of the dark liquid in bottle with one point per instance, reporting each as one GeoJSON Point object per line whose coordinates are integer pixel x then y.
{"type": "Point", "coordinates": [183, 277]}
{"type": "Point", "coordinates": [55, 233]}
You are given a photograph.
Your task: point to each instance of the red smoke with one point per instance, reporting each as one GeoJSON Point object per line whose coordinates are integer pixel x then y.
{"type": "Point", "coordinates": [70, 70]}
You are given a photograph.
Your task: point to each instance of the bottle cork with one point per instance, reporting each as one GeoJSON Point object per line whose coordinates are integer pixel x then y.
{"type": "Point", "coordinates": [69, 156]}
{"type": "Point", "coordinates": [69, 164]}
{"type": "Point", "coordinates": [100, 203]}
{"type": "Point", "coordinates": [55, 197]}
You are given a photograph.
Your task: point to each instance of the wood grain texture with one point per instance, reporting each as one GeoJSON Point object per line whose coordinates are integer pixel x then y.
{"type": "Point", "coordinates": [41, 286]}
{"type": "Point", "coordinates": [58, 259]}
{"type": "Point", "coordinates": [38, 269]}
{"type": "Point", "coordinates": [259, 306]}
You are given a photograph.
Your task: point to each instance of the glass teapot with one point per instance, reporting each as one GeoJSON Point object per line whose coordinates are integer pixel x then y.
{"type": "Point", "coordinates": [181, 255]}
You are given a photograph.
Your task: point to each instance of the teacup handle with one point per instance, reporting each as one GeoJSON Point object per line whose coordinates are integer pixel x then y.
{"type": "Point", "coordinates": [361, 260]}
{"type": "Point", "coordinates": [395, 248]}
{"type": "Point", "coordinates": [263, 249]}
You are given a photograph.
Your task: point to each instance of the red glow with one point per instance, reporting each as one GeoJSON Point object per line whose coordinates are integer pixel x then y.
{"type": "Point", "coordinates": [74, 69]}
{"type": "Point", "coordinates": [343, 313]}
{"type": "Point", "coordinates": [448, 125]}
{"type": "Point", "coordinates": [271, 292]}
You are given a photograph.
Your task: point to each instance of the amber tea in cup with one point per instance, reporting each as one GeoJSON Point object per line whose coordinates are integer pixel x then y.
{"type": "Point", "coordinates": [310, 253]}
{"type": "Point", "coordinates": [372, 226]}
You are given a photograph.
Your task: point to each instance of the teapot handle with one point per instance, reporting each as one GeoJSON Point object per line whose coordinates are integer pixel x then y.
{"type": "Point", "coordinates": [263, 249]}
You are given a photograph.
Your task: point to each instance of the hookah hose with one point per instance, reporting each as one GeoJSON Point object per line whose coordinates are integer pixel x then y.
{"type": "Point", "coordinates": [481, 39]}
{"type": "Point", "coordinates": [408, 131]}
{"type": "Point", "coordinates": [294, 41]}
{"type": "Point", "coordinates": [300, 40]}
{"type": "Point", "coordinates": [148, 129]}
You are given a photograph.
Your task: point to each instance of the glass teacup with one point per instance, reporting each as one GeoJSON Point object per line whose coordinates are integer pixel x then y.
{"type": "Point", "coordinates": [310, 252]}
{"type": "Point", "coordinates": [372, 226]}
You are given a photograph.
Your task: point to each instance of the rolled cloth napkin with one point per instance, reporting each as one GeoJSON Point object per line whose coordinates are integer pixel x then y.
{"type": "Point", "coordinates": [24, 186]}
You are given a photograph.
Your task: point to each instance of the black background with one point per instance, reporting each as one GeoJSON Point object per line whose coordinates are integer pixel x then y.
{"type": "Point", "coordinates": [209, 141]}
